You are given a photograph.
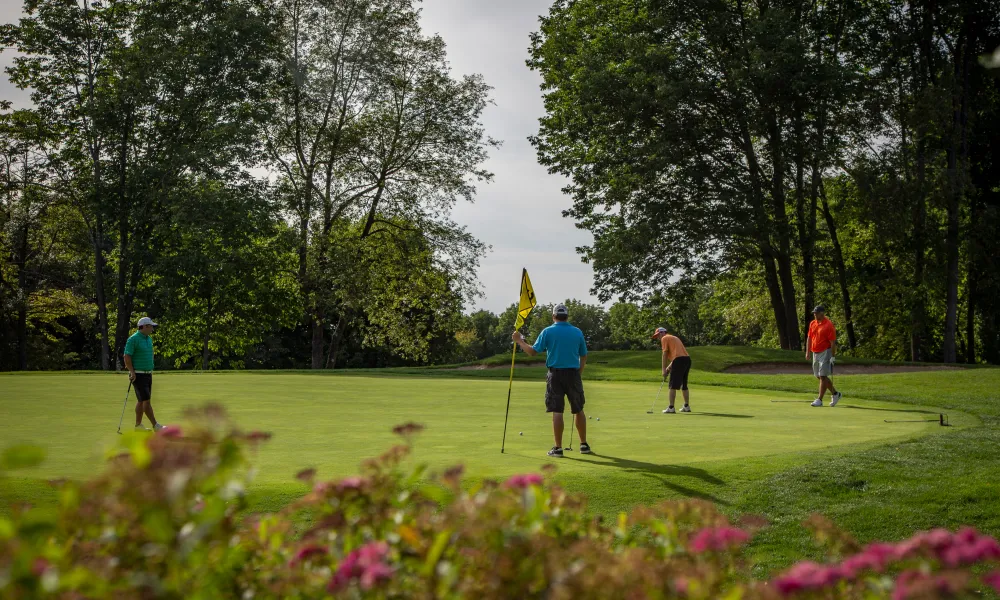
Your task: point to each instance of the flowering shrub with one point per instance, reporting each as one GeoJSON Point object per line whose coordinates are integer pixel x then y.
{"type": "Point", "coordinates": [167, 520]}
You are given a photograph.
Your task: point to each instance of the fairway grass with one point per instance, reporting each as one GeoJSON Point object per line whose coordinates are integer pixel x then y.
{"type": "Point", "coordinates": [783, 460]}
{"type": "Point", "coordinates": [334, 423]}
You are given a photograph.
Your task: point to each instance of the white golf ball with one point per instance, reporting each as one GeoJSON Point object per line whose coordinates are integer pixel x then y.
{"type": "Point", "coordinates": [520, 433]}
{"type": "Point", "coordinates": [598, 418]}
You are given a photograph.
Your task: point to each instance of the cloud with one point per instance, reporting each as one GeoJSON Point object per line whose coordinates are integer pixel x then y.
{"type": "Point", "coordinates": [520, 213]}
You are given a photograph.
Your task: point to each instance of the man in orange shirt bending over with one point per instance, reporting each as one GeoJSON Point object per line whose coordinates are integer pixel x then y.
{"type": "Point", "coordinates": [676, 364]}
{"type": "Point", "coordinates": [822, 342]}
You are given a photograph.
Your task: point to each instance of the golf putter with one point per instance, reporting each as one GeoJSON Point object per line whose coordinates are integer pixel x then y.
{"type": "Point", "coordinates": [572, 421]}
{"type": "Point", "coordinates": [657, 399]}
{"type": "Point", "coordinates": [121, 418]}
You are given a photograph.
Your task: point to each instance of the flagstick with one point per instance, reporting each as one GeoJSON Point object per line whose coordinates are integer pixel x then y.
{"type": "Point", "coordinates": [510, 386]}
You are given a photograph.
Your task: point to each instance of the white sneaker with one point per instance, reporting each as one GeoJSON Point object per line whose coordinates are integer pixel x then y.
{"type": "Point", "coordinates": [835, 399]}
{"type": "Point", "coordinates": [686, 408]}
{"type": "Point", "coordinates": [817, 402]}
{"type": "Point", "coordinates": [669, 411]}
{"type": "Point", "coordinates": [159, 426]}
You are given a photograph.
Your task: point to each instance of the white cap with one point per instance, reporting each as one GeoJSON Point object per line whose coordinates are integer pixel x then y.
{"type": "Point", "coordinates": [146, 321]}
{"type": "Point", "coordinates": [560, 309]}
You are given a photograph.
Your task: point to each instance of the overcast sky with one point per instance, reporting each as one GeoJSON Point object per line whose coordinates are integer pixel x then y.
{"type": "Point", "coordinates": [520, 213]}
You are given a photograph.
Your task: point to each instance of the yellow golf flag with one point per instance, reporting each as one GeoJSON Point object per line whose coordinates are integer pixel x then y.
{"type": "Point", "coordinates": [528, 300]}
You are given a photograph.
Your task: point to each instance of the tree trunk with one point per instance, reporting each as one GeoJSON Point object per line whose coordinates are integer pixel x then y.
{"type": "Point", "coordinates": [21, 260]}
{"type": "Point", "coordinates": [970, 322]}
{"type": "Point", "coordinates": [204, 351]}
{"type": "Point", "coordinates": [125, 254]}
{"type": "Point", "coordinates": [958, 165]}
{"type": "Point", "coordinates": [331, 361]}
{"type": "Point", "coordinates": [838, 259]}
{"type": "Point", "coordinates": [951, 245]}
{"type": "Point", "coordinates": [317, 341]}
{"type": "Point", "coordinates": [774, 292]}
{"type": "Point", "coordinates": [205, 354]}
{"type": "Point", "coordinates": [22, 336]}
{"type": "Point", "coordinates": [101, 298]}
{"type": "Point", "coordinates": [917, 308]}
{"type": "Point", "coordinates": [806, 221]}
{"type": "Point", "coordinates": [783, 254]}
{"type": "Point", "coordinates": [762, 234]}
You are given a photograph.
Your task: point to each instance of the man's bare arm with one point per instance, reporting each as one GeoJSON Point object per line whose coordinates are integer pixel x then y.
{"type": "Point", "coordinates": [519, 340]}
{"type": "Point", "coordinates": [583, 363]}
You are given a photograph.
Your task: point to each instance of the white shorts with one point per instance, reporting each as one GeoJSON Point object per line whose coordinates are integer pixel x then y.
{"type": "Point", "coordinates": [823, 363]}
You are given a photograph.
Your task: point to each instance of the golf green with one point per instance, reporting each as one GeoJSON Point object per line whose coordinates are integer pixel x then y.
{"type": "Point", "coordinates": [334, 422]}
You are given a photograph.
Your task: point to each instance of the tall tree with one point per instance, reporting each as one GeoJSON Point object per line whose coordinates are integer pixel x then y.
{"type": "Point", "coordinates": [143, 94]}
{"type": "Point", "coordinates": [372, 128]}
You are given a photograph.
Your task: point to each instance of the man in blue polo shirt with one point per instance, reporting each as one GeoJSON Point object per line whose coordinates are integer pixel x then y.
{"type": "Point", "coordinates": [566, 356]}
{"type": "Point", "coordinates": [139, 362]}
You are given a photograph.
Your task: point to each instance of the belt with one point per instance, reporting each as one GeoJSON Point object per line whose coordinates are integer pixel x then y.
{"type": "Point", "coordinates": [143, 372]}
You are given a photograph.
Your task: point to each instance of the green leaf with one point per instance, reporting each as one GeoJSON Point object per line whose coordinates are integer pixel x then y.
{"type": "Point", "coordinates": [440, 543]}
{"type": "Point", "coordinates": [22, 456]}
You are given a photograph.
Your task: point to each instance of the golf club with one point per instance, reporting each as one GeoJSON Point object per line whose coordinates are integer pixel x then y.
{"type": "Point", "coordinates": [941, 420]}
{"type": "Point", "coordinates": [572, 421]}
{"type": "Point", "coordinates": [121, 418]}
{"type": "Point", "coordinates": [657, 399]}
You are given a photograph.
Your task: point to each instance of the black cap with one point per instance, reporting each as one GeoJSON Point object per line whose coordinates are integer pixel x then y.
{"type": "Point", "coordinates": [819, 308]}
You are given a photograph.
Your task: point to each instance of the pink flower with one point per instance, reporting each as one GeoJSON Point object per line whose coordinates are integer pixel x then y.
{"type": "Point", "coordinates": [374, 575]}
{"type": "Point", "coordinates": [366, 564]}
{"type": "Point", "coordinates": [718, 539]}
{"type": "Point", "coordinates": [875, 557]}
{"type": "Point", "coordinates": [39, 567]}
{"type": "Point", "coordinates": [520, 482]}
{"type": "Point", "coordinates": [307, 552]}
{"type": "Point", "coordinates": [346, 484]}
{"type": "Point", "coordinates": [993, 580]}
{"type": "Point", "coordinates": [170, 432]}
{"type": "Point", "coordinates": [681, 585]}
{"type": "Point", "coordinates": [351, 483]}
{"type": "Point", "coordinates": [807, 576]}
{"type": "Point", "coordinates": [914, 583]}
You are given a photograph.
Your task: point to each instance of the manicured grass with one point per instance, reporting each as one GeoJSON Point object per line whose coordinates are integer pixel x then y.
{"type": "Point", "coordinates": [783, 460]}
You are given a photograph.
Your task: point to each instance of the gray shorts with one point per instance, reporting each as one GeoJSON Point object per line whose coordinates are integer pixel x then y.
{"type": "Point", "coordinates": [823, 363]}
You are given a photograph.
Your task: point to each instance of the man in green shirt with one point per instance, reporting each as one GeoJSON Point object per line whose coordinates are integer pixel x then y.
{"type": "Point", "coordinates": [139, 362]}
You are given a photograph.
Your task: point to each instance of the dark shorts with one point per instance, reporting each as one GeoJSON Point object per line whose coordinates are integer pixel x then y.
{"type": "Point", "coordinates": [679, 373]}
{"type": "Point", "coordinates": [561, 384]}
{"type": "Point", "coordinates": [143, 386]}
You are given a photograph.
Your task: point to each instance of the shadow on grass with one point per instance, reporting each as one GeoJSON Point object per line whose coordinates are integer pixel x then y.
{"type": "Point", "coordinates": [661, 473]}
{"type": "Point", "coordinates": [900, 410]}
{"type": "Point", "coordinates": [710, 414]}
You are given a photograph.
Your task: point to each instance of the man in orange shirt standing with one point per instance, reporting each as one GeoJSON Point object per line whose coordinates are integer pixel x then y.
{"type": "Point", "coordinates": [676, 363]}
{"type": "Point", "coordinates": [822, 342]}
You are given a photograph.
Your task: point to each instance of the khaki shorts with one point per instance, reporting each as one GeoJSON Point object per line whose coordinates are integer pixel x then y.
{"type": "Point", "coordinates": [823, 363]}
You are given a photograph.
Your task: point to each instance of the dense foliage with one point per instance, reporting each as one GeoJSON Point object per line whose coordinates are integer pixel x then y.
{"type": "Point", "coordinates": [781, 154]}
{"type": "Point", "coordinates": [271, 181]}
{"type": "Point", "coordinates": [165, 520]}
